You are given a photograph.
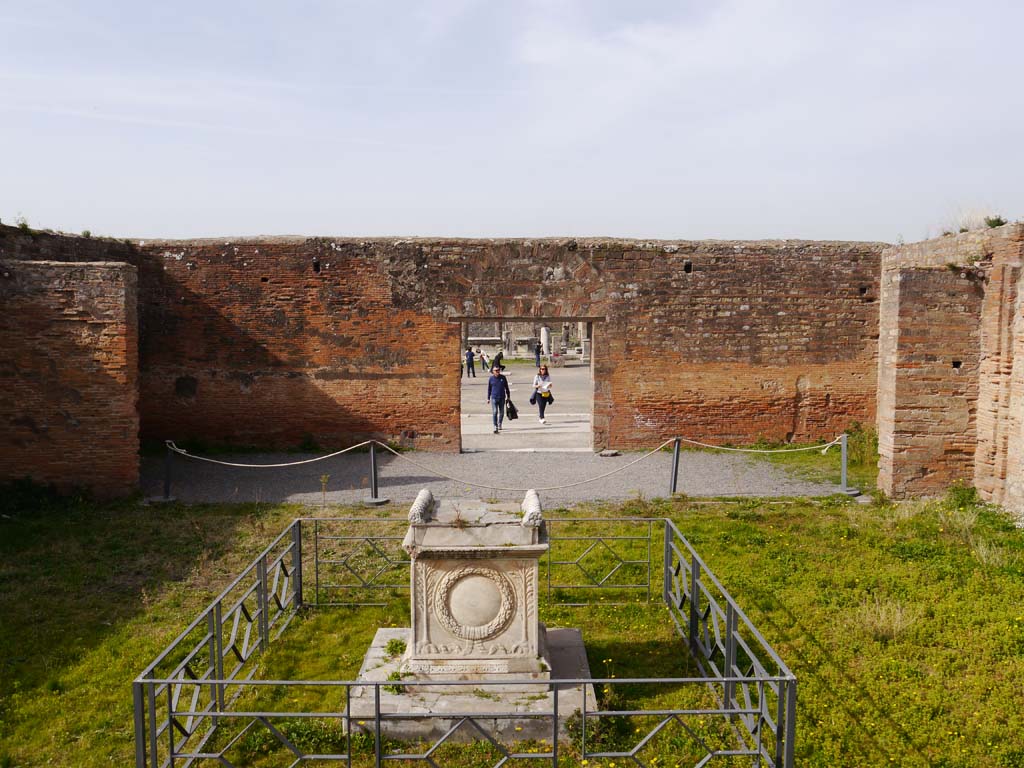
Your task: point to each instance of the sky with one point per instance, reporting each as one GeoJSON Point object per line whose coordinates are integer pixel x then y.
{"type": "Point", "coordinates": [853, 120]}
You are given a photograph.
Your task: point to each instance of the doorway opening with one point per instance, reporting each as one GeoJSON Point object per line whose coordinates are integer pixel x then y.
{"type": "Point", "coordinates": [566, 347]}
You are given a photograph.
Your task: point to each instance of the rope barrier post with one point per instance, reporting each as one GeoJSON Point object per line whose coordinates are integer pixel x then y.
{"type": "Point", "coordinates": [843, 486]}
{"type": "Point", "coordinates": [166, 498]}
{"type": "Point", "coordinates": [675, 468]}
{"type": "Point", "coordinates": [842, 476]}
{"type": "Point", "coordinates": [167, 474]}
{"type": "Point", "coordinates": [374, 499]}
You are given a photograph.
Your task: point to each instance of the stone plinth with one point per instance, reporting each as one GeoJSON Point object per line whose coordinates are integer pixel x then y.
{"type": "Point", "coordinates": [474, 577]}
{"type": "Point", "coordinates": [477, 661]}
{"type": "Point", "coordinates": [508, 713]}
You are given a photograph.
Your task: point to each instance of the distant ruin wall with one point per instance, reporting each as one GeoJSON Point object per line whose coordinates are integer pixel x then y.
{"type": "Point", "coordinates": [68, 374]}
{"type": "Point", "coordinates": [278, 341]}
{"type": "Point", "coordinates": [43, 245]}
{"type": "Point", "coordinates": [951, 371]}
{"type": "Point", "coordinates": [267, 341]}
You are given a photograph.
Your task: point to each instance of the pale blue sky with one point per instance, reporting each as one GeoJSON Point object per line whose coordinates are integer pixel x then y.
{"type": "Point", "coordinates": [643, 118]}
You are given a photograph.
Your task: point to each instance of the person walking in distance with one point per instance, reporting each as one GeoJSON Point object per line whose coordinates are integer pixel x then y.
{"type": "Point", "coordinates": [542, 391]}
{"type": "Point", "coordinates": [483, 360]}
{"type": "Point", "coordinates": [470, 370]}
{"type": "Point", "coordinates": [536, 353]}
{"type": "Point", "coordinates": [497, 391]}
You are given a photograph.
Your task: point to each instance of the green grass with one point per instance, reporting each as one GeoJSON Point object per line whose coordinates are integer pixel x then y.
{"type": "Point", "coordinates": [862, 463]}
{"type": "Point", "coordinates": [903, 623]}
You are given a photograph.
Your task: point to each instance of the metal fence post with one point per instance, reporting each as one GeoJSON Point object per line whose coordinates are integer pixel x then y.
{"type": "Point", "coordinates": [374, 498]}
{"type": "Point", "coordinates": [297, 564]}
{"type": "Point", "coordinates": [666, 569]}
{"type": "Point", "coordinates": [263, 599]}
{"type": "Point", "coordinates": [788, 760]}
{"type": "Point", "coordinates": [316, 561]}
{"type": "Point", "coordinates": [376, 727]}
{"type": "Point", "coordinates": [218, 634]}
{"type": "Point", "coordinates": [554, 723]}
{"type": "Point", "coordinates": [213, 651]}
{"type": "Point", "coordinates": [694, 603]}
{"type": "Point", "coordinates": [785, 724]}
{"type": "Point", "coordinates": [348, 725]}
{"type": "Point", "coordinates": [170, 726]}
{"type": "Point", "coordinates": [730, 653]}
{"type": "Point", "coordinates": [675, 467]}
{"type": "Point", "coordinates": [140, 725]}
{"type": "Point", "coordinates": [153, 731]}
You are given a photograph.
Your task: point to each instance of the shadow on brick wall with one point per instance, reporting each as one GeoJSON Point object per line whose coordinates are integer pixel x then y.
{"type": "Point", "coordinates": [275, 368]}
{"type": "Point", "coordinates": [67, 400]}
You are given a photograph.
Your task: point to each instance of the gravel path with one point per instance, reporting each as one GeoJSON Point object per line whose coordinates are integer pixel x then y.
{"type": "Point", "coordinates": [700, 474]}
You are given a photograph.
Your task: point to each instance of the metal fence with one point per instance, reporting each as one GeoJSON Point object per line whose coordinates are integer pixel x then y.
{"type": "Point", "coordinates": [201, 703]}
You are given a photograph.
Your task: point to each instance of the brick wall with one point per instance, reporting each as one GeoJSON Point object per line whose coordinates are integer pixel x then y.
{"type": "Point", "coordinates": [250, 344]}
{"type": "Point", "coordinates": [999, 467]}
{"type": "Point", "coordinates": [68, 374]}
{"type": "Point", "coordinates": [1013, 489]}
{"type": "Point", "coordinates": [952, 299]}
{"type": "Point", "coordinates": [266, 341]}
{"type": "Point", "coordinates": [43, 245]}
{"type": "Point", "coordinates": [276, 340]}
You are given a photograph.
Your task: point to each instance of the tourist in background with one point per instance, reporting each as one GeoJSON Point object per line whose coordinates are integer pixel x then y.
{"type": "Point", "coordinates": [542, 391]}
{"type": "Point", "coordinates": [536, 353]}
{"type": "Point", "coordinates": [470, 370]}
{"type": "Point", "coordinates": [483, 360]}
{"type": "Point", "coordinates": [497, 359]}
{"type": "Point", "coordinates": [497, 392]}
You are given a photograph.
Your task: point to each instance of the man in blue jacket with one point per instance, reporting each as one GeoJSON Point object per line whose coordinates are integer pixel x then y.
{"type": "Point", "coordinates": [470, 370]}
{"type": "Point", "coordinates": [497, 391]}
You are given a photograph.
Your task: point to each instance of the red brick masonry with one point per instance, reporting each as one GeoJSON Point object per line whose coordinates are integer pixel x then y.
{"type": "Point", "coordinates": [274, 340]}
{"type": "Point", "coordinates": [951, 366]}
{"type": "Point", "coordinates": [68, 374]}
{"type": "Point", "coordinates": [265, 341]}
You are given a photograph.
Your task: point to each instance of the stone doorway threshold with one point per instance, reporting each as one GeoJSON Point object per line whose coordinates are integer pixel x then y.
{"type": "Point", "coordinates": [527, 450]}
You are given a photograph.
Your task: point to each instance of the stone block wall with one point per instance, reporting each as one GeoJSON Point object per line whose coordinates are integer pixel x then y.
{"type": "Point", "coordinates": [68, 374]}
{"type": "Point", "coordinates": [949, 381]}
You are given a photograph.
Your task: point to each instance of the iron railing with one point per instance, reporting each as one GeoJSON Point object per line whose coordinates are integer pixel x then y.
{"type": "Point", "coordinates": [200, 701]}
{"type": "Point", "coordinates": [757, 686]}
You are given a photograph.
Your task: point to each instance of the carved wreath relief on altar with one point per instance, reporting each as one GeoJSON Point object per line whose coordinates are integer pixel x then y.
{"type": "Point", "coordinates": [474, 602]}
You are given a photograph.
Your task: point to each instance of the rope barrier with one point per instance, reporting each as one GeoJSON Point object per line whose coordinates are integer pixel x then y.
{"type": "Point", "coordinates": [823, 446]}
{"type": "Point", "coordinates": [170, 444]}
{"type": "Point", "coordinates": [524, 490]}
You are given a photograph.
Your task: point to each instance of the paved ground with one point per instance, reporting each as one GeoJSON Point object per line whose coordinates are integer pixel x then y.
{"type": "Point", "coordinates": [700, 474]}
{"type": "Point", "coordinates": [525, 455]}
{"type": "Point", "coordinates": [568, 420]}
